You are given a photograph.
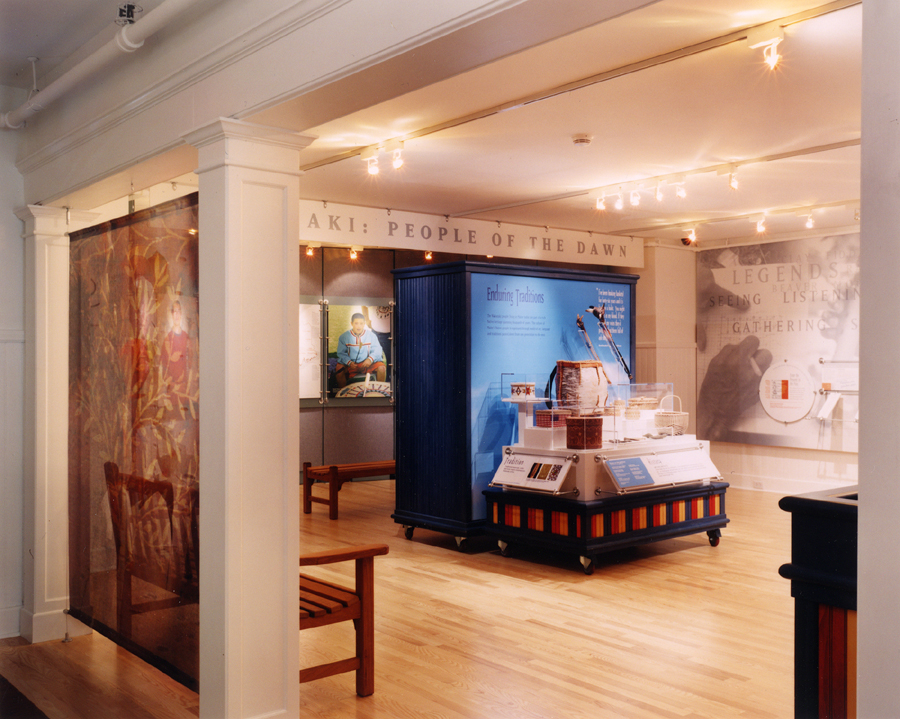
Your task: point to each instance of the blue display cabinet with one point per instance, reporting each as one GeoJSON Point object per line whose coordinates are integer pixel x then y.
{"type": "Point", "coordinates": [463, 332]}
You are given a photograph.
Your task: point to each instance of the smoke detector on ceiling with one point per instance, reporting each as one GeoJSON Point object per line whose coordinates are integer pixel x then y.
{"type": "Point", "coordinates": [581, 140]}
{"type": "Point", "coordinates": [128, 13]}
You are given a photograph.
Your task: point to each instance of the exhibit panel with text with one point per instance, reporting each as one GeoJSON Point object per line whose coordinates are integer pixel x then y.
{"type": "Point", "coordinates": [520, 327]}
{"type": "Point", "coordinates": [778, 343]}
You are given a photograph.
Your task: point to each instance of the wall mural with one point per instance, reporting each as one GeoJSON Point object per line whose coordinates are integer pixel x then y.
{"type": "Point", "coordinates": [778, 343]}
{"type": "Point", "coordinates": [134, 433]}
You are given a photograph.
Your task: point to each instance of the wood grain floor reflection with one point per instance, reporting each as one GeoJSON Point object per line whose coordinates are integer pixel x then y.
{"type": "Point", "coordinates": [673, 629]}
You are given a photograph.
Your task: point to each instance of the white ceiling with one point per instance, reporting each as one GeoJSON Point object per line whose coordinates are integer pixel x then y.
{"type": "Point", "coordinates": [51, 31]}
{"type": "Point", "coordinates": [671, 89]}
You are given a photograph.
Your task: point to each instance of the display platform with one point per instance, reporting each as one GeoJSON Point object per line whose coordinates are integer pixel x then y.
{"type": "Point", "coordinates": [612, 469]}
{"type": "Point", "coordinates": [590, 528]}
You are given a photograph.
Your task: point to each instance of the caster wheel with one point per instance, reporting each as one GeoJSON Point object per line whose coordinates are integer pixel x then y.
{"type": "Point", "coordinates": [408, 532]}
{"type": "Point", "coordinates": [588, 565]}
{"type": "Point", "coordinates": [715, 537]}
{"type": "Point", "coordinates": [504, 548]}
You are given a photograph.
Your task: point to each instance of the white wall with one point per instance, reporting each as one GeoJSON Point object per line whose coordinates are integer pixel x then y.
{"type": "Point", "coordinates": [12, 345]}
{"type": "Point", "coordinates": [666, 317]}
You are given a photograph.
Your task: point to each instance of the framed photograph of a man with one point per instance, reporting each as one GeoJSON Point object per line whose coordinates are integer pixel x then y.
{"type": "Point", "coordinates": [359, 351]}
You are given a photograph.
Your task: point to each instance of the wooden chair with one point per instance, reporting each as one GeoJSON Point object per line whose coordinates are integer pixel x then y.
{"type": "Point", "coordinates": [324, 603]}
{"type": "Point", "coordinates": [125, 492]}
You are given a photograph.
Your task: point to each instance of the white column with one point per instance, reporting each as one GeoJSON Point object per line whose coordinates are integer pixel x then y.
{"type": "Point", "coordinates": [46, 423]}
{"type": "Point", "coordinates": [878, 600]}
{"type": "Point", "coordinates": [249, 426]}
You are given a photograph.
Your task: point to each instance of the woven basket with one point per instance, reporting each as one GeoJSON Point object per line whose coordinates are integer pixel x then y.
{"type": "Point", "coordinates": [584, 432]}
{"type": "Point", "coordinates": [643, 402]}
{"type": "Point", "coordinates": [550, 417]}
{"type": "Point", "coordinates": [675, 421]}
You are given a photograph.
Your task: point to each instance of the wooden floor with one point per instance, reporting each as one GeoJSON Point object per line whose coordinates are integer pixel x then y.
{"type": "Point", "coordinates": [673, 629]}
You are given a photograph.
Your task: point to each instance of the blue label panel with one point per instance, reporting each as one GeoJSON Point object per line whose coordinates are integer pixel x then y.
{"type": "Point", "coordinates": [630, 472]}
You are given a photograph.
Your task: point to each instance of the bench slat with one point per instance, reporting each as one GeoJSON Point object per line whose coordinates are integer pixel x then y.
{"type": "Point", "coordinates": [360, 469]}
{"type": "Point", "coordinates": [317, 605]}
{"type": "Point", "coordinates": [328, 592]}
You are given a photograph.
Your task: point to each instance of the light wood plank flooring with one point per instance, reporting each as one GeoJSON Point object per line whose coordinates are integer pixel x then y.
{"type": "Point", "coordinates": [673, 629]}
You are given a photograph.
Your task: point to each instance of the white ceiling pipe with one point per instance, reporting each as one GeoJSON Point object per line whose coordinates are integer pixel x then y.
{"type": "Point", "coordinates": [128, 39]}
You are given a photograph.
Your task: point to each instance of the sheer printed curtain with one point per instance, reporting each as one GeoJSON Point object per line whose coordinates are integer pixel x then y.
{"type": "Point", "coordinates": [133, 438]}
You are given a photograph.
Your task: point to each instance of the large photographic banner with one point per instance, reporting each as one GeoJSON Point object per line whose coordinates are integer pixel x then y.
{"type": "Point", "coordinates": [520, 327]}
{"type": "Point", "coordinates": [778, 343]}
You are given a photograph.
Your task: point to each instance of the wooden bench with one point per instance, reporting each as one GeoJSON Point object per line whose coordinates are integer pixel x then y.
{"type": "Point", "coordinates": [336, 475]}
{"type": "Point", "coordinates": [323, 603]}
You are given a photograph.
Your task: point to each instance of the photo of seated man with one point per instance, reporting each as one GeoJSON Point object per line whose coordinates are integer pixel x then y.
{"type": "Point", "coordinates": [359, 353]}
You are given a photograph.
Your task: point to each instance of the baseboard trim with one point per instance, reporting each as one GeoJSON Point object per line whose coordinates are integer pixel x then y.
{"type": "Point", "coordinates": [48, 626]}
{"type": "Point", "coordinates": [9, 622]}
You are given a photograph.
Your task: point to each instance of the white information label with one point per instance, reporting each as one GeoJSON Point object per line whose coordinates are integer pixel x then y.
{"type": "Point", "coordinates": [842, 377]}
{"type": "Point", "coordinates": [533, 472]}
{"type": "Point", "coordinates": [644, 472]}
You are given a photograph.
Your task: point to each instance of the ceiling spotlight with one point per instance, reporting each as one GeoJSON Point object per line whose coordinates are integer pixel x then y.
{"type": "Point", "coordinates": [619, 202]}
{"type": "Point", "coordinates": [395, 148]}
{"type": "Point", "coordinates": [659, 193]}
{"type": "Point", "coordinates": [856, 215]}
{"type": "Point", "coordinates": [601, 203]}
{"type": "Point", "coordinates": [354, 252]}
{"type": "Point", "coordinates": [692, 236]}
{"type": "Point", "coordinates": [733, 181]}
{"type": "Point", "coordinates": [761, 224]}
{"type": "Point", "coordinates": [767, 37]}
{"type": "Point", "coordinates": [370, 157]}
{"type": "Point", "coordinates": [771, 56]}
{"type": "Point", "coordinates": [635, 198]}
{"type": "Point", "coordinates": [310, 252]}
{"type": "Point", "coordinates": [428, 255]}
{"type": "Point", "coordinates": [680, 191]}
{"type": "Point", "coordinates": [809, 222]}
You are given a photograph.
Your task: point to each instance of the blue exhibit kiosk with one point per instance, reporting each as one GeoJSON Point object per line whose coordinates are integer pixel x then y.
{"type": "Point", "coordinates": [468, 337]}
{"type": "Point", "coordinates": [462, 332]}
